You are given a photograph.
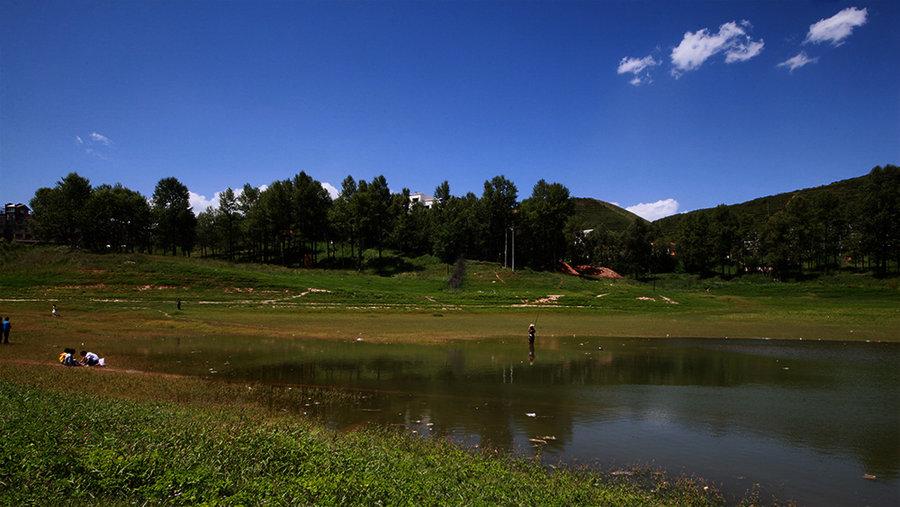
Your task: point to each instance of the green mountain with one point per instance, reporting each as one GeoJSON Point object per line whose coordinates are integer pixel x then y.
{"type": "Point", "coordinates": [757, 211]}
{"type": "Point", "coordinates": [596, 214]}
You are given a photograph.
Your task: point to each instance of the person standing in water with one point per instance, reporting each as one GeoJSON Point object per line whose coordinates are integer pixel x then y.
{"type": "Point", "coordinates": [6, 328]}
{"type": "Point", "coordinates": [531, 344]}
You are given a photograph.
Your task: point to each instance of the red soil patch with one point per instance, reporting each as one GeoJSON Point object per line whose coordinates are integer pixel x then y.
{"type": "Point", "coordinates": [599, 272]}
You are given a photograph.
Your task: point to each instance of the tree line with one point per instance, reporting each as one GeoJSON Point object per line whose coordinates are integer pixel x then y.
{"type": "Point", "coordinates": [295, 222]}
{"type": "Point", "coordinates": [812, 233]}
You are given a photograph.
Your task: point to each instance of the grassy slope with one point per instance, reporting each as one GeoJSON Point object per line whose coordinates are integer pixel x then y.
{"type": "Point", "coordinates": [757, 211]}
{"type": "Point", "coordinates": [596, 214]}
{"type": "Point", "coordinates": [102, 290]}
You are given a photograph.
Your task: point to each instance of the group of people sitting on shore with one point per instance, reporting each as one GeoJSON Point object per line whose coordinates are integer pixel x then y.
{"type": "Point", "coordinates": [67, 358]}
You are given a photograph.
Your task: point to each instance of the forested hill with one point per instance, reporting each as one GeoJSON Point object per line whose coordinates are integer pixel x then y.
{"type": "Point", "coordinates": [596, 214]}
{"type": "Point", "coordinates": [755, 213]}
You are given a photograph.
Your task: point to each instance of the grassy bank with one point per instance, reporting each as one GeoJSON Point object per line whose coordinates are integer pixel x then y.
{"type": "Point", "coordinates": [417, 302]}
{"type": "Point", "coordinates": [65, 445]}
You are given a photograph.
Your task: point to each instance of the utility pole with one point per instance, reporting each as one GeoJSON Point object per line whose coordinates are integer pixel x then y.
{"type": "Point", "coordinates": [513, 229]}
{"type": "Point", "coordinates": [505, 249]}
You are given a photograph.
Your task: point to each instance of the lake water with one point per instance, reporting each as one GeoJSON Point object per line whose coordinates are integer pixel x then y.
{"type": "Point", "coordinates": [815, 422]}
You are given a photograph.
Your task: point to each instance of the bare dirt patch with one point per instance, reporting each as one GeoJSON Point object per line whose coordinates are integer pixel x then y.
{"type": "Point", "coordinates": [585, 270]}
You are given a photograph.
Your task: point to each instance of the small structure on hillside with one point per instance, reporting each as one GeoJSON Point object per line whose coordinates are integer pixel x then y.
{"type": "Point", "coordinates": [426, 200]}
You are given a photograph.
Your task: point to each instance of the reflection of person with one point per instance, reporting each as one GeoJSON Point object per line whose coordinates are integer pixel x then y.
{"type": "Point", "coordinates": [89, 358]}
{"type": "Point", "coordinates": [531, 353]}
{"type": "Point", "coordinates": [6, 327]}
{"type": "Point", "coordinates": [531, 334]}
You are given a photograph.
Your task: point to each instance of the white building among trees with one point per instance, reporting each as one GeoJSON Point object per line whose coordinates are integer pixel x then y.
{"type": "Point", "coordinates": [426, 200]}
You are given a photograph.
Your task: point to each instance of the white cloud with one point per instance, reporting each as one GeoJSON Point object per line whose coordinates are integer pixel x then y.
{"type": "Point", "coordinates": [744, 52]}
{"type": "Point", "coordinates": [797, 61]}
{"type": "Point", "coordinates": [697, 47]}
{"type": "Point", "coordinates": [199, 202]}
{"type": "Point", "coordinates": [96, 144]}
{"type": "Point", "coordinates": [655, 210]}
{"type": "Point", "coordinates": [100, 138]}
{"type": "Point", "coordinates": [332, 190]}
{"type": "Point", "coordinates": [639, 67]}
{"type": "Point", "coordinates": [836, 28]}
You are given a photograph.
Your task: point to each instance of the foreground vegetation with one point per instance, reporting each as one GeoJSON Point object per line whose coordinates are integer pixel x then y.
{"type": "Point", "coordinates": [64, 444]}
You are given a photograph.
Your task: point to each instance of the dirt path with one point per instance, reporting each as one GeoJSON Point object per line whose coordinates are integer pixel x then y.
{"type": "Point", "coordinates": [55, 364]}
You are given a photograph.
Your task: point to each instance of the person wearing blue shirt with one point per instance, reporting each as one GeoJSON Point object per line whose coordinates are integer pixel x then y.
{"type": "Point", "coordinates": [6, 327]}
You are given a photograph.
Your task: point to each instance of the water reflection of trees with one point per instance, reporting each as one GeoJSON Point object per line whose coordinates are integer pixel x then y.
{"type": "Point", "coordinates": [802, 402]}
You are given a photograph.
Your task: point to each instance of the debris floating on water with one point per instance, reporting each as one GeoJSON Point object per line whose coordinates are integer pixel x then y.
{"type": "Point", "coordinates": [531, 414]}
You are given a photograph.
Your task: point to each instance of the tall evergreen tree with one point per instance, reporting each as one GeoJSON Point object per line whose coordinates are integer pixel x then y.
{"type": "Point", "coordinates": [498, 202]}
{"type": "Point", "coordinates": [175, 221]}
{"type": "Point", "coordinates": [543, 218]}
{"type": "Point", "coordinates": [879, 216]}
{"type": "Point", "coordinates": [60, 213]}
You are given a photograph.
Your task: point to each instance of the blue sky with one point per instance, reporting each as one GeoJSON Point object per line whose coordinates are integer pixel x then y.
{"type": "Point", "coordinates": [659, 106]}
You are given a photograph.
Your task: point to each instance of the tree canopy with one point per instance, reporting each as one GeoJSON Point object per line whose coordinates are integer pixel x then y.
{"type": "Point", "coordinates": [295, 222]}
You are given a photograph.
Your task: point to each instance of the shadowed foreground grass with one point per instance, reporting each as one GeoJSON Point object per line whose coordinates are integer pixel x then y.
{"type": "Point", "coordinates": [66, 446]}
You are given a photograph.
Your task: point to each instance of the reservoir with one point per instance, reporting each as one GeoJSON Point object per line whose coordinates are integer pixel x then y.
{"type": "Point", "coordinates": [810, 421]}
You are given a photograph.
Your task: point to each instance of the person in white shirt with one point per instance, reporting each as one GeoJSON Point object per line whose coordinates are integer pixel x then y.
{"type": "Point", "coordinates": [89, 358]}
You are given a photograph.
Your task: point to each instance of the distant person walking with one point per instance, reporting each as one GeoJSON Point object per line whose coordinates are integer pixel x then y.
{"type": "Point", "coordinates": [6, 328]}
{"type": "Point", "coordinates": [53, 312]}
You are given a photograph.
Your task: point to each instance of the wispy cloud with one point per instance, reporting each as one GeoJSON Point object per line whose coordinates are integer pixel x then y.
{"type": "Point", "coordinates": [697, 47]}
{"type": "Point", "coordinates": [639, 68]}
{"type": "Point", "coordinates": [655, 210]}
{"type": "Point", "coordinates": [836, 28]}
{"type": "Point", "coordinates": [96, 144]}
{"type": "Point", "coordinates": [100, 138]}
{"type": "Point", "coordinates": [797, 61]}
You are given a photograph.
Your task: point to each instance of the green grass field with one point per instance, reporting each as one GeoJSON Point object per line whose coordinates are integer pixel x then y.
{"type": "Point", "coordinates": [419, 304]}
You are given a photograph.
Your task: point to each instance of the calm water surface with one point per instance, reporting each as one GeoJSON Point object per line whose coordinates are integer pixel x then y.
{"type": "Point", "coordinates": [808, 421]}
